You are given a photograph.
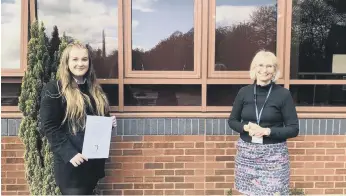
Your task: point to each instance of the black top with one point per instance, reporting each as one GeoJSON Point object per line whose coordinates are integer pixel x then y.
{"type": "Point", "coordinates": [279, 113]}
{"type": "Point", "coordinates": [63, 143]}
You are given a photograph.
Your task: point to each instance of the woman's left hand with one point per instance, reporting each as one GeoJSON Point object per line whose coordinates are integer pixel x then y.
{"type": "Point", "coordinates": [114, 124]}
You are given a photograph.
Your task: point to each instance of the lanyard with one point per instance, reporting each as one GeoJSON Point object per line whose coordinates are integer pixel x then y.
{"type": "Point", "coordinates": [258, 116]}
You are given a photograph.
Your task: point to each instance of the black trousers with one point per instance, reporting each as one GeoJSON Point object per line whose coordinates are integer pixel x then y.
{"type": "Point", "coordinates": [77, 190]}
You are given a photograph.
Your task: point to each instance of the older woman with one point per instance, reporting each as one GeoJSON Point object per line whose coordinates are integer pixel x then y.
{"type": "Point", "coordinates": [265, 116]}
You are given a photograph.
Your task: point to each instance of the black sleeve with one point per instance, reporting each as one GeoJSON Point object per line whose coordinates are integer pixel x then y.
{"type": "Point", "coordinates": [51, 113]}
{"type": "Point", "coordinates": [234, 120]}
{"type": "Point", "coordinates": [291, 124]}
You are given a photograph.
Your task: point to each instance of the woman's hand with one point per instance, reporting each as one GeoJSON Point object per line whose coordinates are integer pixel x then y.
{"type": "Point", "coordinates": [114, 124]}
{"type": "Point", "coordinates": [78, 159]}
{"type": "Point", "coordinates": [256, 130]}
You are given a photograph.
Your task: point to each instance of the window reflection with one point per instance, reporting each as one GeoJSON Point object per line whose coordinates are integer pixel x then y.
{"type": "Point", "coordinates": [10, 94]}
{"type": "Point", "coordinates": [319, 95]}
{"type": "Point", "coordinates": [162, 95]}
{"type": "Point", "coordinates": [163, 35]}
{"type": "Point", "coordinates": [10, 34]}
{"type": "Point", "coordinates": [92, 22]}
{"type": "Point", "coordinates": [318, 45]}
{"type": "Point", "coordinates": [243, 28]}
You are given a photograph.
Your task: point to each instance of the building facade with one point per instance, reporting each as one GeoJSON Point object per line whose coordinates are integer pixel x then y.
{"type": "Point", "coordinates": [171, 70]}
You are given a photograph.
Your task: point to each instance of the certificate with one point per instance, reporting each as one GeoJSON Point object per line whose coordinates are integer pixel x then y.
{"type": "Point", "coordinates": [97, 138]}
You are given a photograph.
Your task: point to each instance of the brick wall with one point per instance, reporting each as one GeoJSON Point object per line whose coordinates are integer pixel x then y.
{"type": "Point", "coordinates": [192, 165]}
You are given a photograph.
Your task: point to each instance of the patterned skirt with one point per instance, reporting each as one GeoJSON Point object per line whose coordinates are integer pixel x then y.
{"type": "Point", "coordinates": [262, 169]}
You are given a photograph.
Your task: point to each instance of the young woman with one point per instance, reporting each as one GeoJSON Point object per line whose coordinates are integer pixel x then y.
{"type": "Point", "coordinates": [64, 106]}
{"type": "Point", "coordinates": [265, 116]}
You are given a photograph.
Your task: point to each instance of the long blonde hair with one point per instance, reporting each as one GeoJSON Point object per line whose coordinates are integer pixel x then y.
{"type": "Point", "coordinates": [76, 100]}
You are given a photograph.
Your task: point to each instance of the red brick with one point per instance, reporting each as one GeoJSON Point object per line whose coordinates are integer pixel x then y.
{"type": "Point", "coordinates": [154, 179]}
{"type": "Point", "coordinates": [164, 172]}
{"type": "Point", "coordinates": [132, 152]}
{"type": "Point", "coordinates": [340, 184]}
{"type": "Point", "coordinates": [215, 152]}
{"type": "Point", "coordinates": [313, 191]}
{"type": "Point", "coordinates": [113, 166]}
{"type": "Point", "coordinates": [121, 145]}
{"type": "Point", "coordinates": [324, 184]}
{"type": "Point", "coordinates": [184, 172]}
{"type": "Point", "coordinates": [230, 165]}
{"type": "Point", "coordinates": [334, 178]}
{"type": "Point", "coordinates": [194, 192]}
{"type": "Point", "coordinates": [340, 171]}
{"type": "Point", "coordinates": [325, 158]}
{"type": "Point", "coordinates": [164, 145]}
{"type": "Point", "coordinates": [133, 179]}
{"type": "Point", "coordinates": [199, 158]}
{"type": "Point", "coordinates": [164, 186]}
{"type": "Point", "coordinates": [224, 172]}
{"type": "Point", "coordinates": [16, 174]}
{"type": "Point", "coordinates": [304, 171]}
{"type": "Point", "coordinates": [153, 192]}
{"type": "Point", "coordinates": [194, 138]}
{"type": "Point", "coordinates": [199, 145]}
{"type": "Point", "coordinates": [174, 165]}
{"type": "Point", "coordinates": [316, 151]}
{"type": "Point", "coordinates": [225, 145]}
{"type": "Point", "coordinates": [224, 158]}
{"type": "Point", "coordinates": [14, 147]}
{"type": "Point", "coordinates": [14, 160]}
{"type": "Point", "coordinates": [153, 165]}
{"type": "Point", "coordinates": [184, 185]}
{"type": "Point", "coordinates": [305, 144]}
{"type": "Point", "coordinates": [153, 138]}
{"type": "Point", "coordinates": [214, 192]}
{"type": "Point", "coordinates": [184, 159]}
{"type": "Point", "coordinates": [194, 151]}
{"type": "Point", "coordinates": [184, 145]}
{"type": "Point", "coordinates": [105, 186]}
{"type": "Point", "coordinates": [335, 138]}
{"type": "Point", "coordinates": [174, 192]}
{"type": "Point", "coordinates": [215, 165]}
{"type": "Point", "coordinates": [123, 186]}
{"type": "Point", "coordinates": [112, 192]}
{"type": "Point", "coordinates": [314, 165]}
{"type": "Point", "coordinates": [115, 152]}
{"type": "Point", "coordinates": [315, 138]}
{"type": "Point", "coordinates": [304, 158]}
{"type": "Point", "coordinates": [304, 185]}
{"type": "Point", "coordinates": [215, 138]}
{"type": "Point", "coordinates": [174, 152]}
{"type": "Point", "coordinates": [314, 178]}
{"type": "Point", "coordinates": [299, 138]}
{"type": "Point", "coordinates": [341, 145]}
{"type": "Point", "coordinates": [178, 138]}
{"type": "Point", "coordinates": [336, 151]}
{"type": "Point", "coordinates": [325, 145]}
{"type": "Point", "coordinates": [17, 187]}
{"type": "Point", "coordinates": [297, 178]}
{"type": "Point", "coordinates": [231, 151]}
{"type": "Point", "coordinates": [21, 181]}
{"type": "Point", "coordinates": [232, 138]}
{"type": "Point", "coordinates": [143, 145]}
{"type": "Point", "coordinates": [333, 191]}
{"type": "Point", "coordinates": [174, 179]}
{"type": "Point", "coordinates": [340, 158]}
{"type": "Point", "coordinates": [193, 165]}
{"type": "Point", "coordinates": [153, 152]}
{"type": "Point", "coordinates": [143, 186]}
{"type": "Point", "coordinates": [297, 164]}
{"type": "Point", "coordinates": [164, 159]}
{"type": "Point", "coordinates": [214, 178]}
{"type": "Point", "coordinates": [224, 185]}
{"type": "Point", "coordinates": [9, 193]}
{"type": "Point", "coordinates": [335, 165]}
{"type": "Point", "coordinates": [133, 192]}
{"type": "Point", "coordinates": [194, 179]}
{"type": "Point", "coordinates": [324, 171]}
{"type": "Point", "coordinates": [296, 151]}
{"type": "Point", "coordinates": [5, 167]}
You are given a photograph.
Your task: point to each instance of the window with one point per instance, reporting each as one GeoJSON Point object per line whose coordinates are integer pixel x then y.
{"type": "Point", "coordinates": [11, 21]}
{"type": "Point", "coordinates": [10, 94]}
{"type": "Point", "coordinates": [238, 30]}
{"type": "Point", "coordinates": [97, 28]}
{"type": "Point", "coordinates": [318, 41]}
{"type": "Point", "coordinates": [163, 37]}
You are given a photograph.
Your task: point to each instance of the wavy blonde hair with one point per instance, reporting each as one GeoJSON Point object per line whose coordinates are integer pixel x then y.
{"type": "Point", "coordinates": [264, 57]}
{"type": "Point", "coordinates": [76, 100]}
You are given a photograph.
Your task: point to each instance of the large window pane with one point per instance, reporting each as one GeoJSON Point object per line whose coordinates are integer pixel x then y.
{"type": "Point", "coordinates": [319, 95]}
{"type": "Point", "coordinates": [112, 93]}
{"type": "Point", "coordinates": [10, 33]}
{"type": "Point", "coordinates": [243, 28]}
{"type": "Point", "coordinates": [222, 94]}
{"type": "Point", "coordinates": [10, 94]}
{"type": "Point", "coordinates": [163, 35]}
{"type": "Point", "coordinates": [162, 95]}
{"type": "Point", "coordinates": [92, 22]}
{"type": "Point", "coordinates": [318, 44]}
